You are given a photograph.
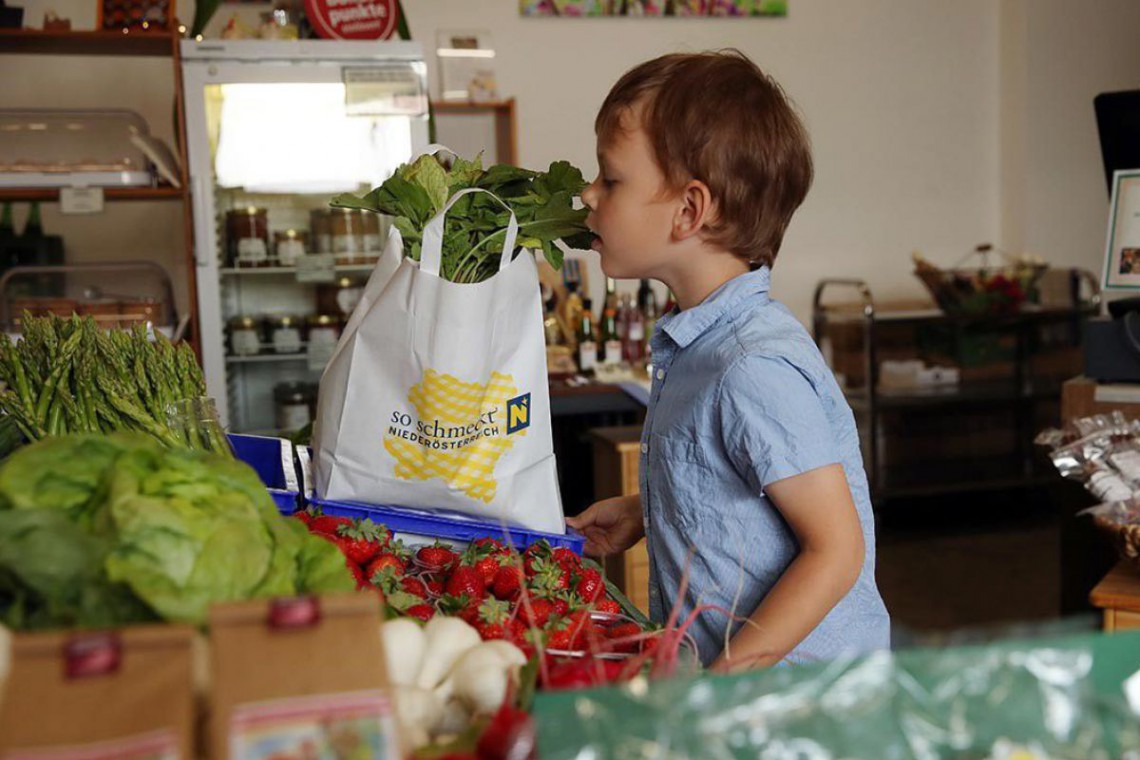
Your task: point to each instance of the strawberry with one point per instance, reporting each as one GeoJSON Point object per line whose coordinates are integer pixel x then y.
{"type": "Point", "coordinates": [623, 631]}
{"type": "Point", "coordinates": [484, 557]}
{"type": "Point", "coordinates": [306, 516]}
{"type": "Point", "coordinates": [437, 557]}
{"type": "Point", "coordinates": [560, 640]}
{"type": "Point", "coordinates": [490, 545]}
{"type": "Point", "coordinates": [549, 577]}
{"type": "Point", "coordinates": [507, 583]}
{"type": "Point", "coordinates": [608, 606]}
{"type": "Point", "coordinates": [538, 613]}
{"type": "Point", "coordinates": [539, 550]}
{"type": "Point", "coordinates": [492, 621]}
{"type": "Point", "coordinates": [414, 586]}
{"type": "Point", "coordinates": [467, 581]}
{"type": "Point", "coordinates": [424, 612]}
{"type": "Point", "coordinates": [561, 606]}
{"type": "Point", "coordinates": [358, 574]}
{"type": "Point", "coordinates": [383, 561]}
{"type": "Point", "coordinates": [590, 585]}
{"type": "Point", "coordinates": [359, 540]}
{"type": "Point", "coordinates": [567, 558]}
{"type": "Point", "coordinates": [434, 586]}
{"type": "Point", "coordinates": [327, 525]}
{"type": "Point", "coordinates": [488, 567]}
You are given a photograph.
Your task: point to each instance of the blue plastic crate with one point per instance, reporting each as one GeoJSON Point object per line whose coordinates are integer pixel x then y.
{"type": "Point", "coordinates": [414, 526]}
{"type": "Point", "coordinates": [272, 459]}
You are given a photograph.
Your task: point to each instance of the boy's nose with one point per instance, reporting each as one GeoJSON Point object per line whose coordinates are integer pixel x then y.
{"type": "Point", "coordinates": [589, 195]}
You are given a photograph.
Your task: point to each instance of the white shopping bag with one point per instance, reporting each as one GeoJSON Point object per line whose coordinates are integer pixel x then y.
{"type": "Point", "coordinates": [437, 396]}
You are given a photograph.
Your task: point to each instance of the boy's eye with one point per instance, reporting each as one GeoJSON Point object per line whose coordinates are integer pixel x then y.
{"type": "Point", "coordinates": [608, 182]}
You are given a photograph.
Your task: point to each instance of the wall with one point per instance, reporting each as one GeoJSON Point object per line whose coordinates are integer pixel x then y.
{"type": "Point", "coordinates": [935, 125]}
{"type": "Point", "coordinates": [901, 100]}
{"type": "Point", "coordinates": [1066, 58]}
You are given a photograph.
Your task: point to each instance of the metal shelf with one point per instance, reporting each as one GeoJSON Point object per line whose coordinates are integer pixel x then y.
{"type": "Point", "coordinates": [51, 194]}
{"type": "Point", "coordinates": [268, 358]}
{"type": "Point", "coordinates": [1020, 393]}
{"type": "Point", "coordinates": [279, 271]}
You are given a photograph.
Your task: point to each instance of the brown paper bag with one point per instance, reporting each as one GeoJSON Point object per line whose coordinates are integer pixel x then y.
{"type": "Point", "coordinates": [125, 693]}
{"type": "Point", "coordinates": [300, 677]}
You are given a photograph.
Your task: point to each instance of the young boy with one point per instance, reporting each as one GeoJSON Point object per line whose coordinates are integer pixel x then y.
{"type": "Point", "coordinates": [752, 479]}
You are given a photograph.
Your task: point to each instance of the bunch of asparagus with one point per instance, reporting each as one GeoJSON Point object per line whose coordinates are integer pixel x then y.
{"type": "Point", "coordinates": [70, 376]}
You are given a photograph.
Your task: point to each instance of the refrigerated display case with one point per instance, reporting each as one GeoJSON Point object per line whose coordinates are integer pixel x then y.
{"type": "Point", "coordinates": [275, 129]}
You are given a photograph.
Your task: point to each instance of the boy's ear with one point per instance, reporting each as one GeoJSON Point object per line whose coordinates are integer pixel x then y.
{"type": "Point", "coordinates": [695, 210]}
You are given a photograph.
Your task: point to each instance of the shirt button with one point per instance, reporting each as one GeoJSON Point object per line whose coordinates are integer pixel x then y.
{"type": "Point", "coordinates": [660, 374]}
{"type": "Point", "coordinates": [645, 448]}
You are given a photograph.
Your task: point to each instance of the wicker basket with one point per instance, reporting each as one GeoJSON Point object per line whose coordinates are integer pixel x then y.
{"type": "Point", "coordinates": [1126, 537]}
{"type": "Point", "coordinates": [983, 290]}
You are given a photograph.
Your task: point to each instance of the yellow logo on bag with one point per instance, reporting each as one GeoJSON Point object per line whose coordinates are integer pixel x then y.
{"type": "Point", "coordinates": [459, 436]}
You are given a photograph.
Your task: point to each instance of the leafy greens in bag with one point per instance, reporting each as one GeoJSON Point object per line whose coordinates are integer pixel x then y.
{"type": "Point", "coordinates": [543, 203]}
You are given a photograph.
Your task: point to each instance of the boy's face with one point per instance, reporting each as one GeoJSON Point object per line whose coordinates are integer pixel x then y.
{"type": "Point", "coordinates": [629, 212]}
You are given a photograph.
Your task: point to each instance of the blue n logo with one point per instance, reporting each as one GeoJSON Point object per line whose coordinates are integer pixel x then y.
{"type": "Point", "coordinates": [518, 413]}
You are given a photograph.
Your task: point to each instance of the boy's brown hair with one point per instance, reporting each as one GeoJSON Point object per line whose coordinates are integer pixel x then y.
{"type": "Point", "coordinates": [718, 118]}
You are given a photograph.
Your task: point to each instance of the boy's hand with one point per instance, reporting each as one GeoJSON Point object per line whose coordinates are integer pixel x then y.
{"type": "Point", "coordinates": [611, 526]}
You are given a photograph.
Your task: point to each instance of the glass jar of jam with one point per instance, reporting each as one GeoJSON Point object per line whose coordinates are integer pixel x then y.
{"type": "Point", "coordinates": [294, 405]}
{"type": "Point", "coordinates": [320, 230]}
{"type": "Point", "coordinates": [245, 334]}
{"type": "Point", "coordinates": [372, 237]}
{"type": "Point", "coordinates": [286, 334]}
{"type": "Point", "coordinates": [340, 298]}
{"type": "Point", "coordinates": [247, 236]}
{"type": "Point", "coordinates": [290, 246]}
{"type": "Point", "coordinates": [324, 331]}
{"type": "Point", "coordinates": [347, 232]}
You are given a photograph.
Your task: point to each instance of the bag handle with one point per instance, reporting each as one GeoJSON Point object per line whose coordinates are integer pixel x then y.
{"type": "Point", "coordinates": [431, 251]}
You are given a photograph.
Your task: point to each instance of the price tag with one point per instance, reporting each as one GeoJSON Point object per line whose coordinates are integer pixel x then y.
{"type": "Point", "coordinates": [81, 200]}
{"type": "Point", "coordinates": [316, 267]}
{"type": "Point", "coordinates": [320, 354]}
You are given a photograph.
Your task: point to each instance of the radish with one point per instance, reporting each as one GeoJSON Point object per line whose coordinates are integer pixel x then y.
{"type": "Point", "coordinates": [446, 640]}
{"type": "Point", "coordinates": [418, 713]}
{"type": "Point", "coordinates": [482, 676]}
{"type": "Point", "coordinates": [404, 643]}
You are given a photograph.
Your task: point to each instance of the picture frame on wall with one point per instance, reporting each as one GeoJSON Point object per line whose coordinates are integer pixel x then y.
{"type": "Point", "coordinates": [1122, 254]}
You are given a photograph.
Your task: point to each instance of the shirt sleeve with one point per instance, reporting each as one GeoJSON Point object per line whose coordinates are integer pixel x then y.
{"type": "Point", "coordinates": [773, 423]}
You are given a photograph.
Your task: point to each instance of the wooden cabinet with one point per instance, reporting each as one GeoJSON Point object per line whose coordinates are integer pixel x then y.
{"type": "Point", "coordinates": [616, 469]}
{"type": "Point", "coordinates": [1118, 595]}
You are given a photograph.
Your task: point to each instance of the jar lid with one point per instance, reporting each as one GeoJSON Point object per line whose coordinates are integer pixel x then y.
{"type": "Point", "coordinates": [292, 234]}
{"type": "Point", "coordinates": [285, 320]}
{"type": "Point", "coordinates": [292, 392]}
{"type": "Point", "coordinates": [347, 282]}
{"type": "Point", "coordinates": [250, 211]}
{"type": "Point", "coordinates": [244, 321]}
{"type": "Point", "coordinates": [324, 320]}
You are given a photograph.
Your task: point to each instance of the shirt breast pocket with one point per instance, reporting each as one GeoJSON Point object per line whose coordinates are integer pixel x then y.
{"type": "Point", "coordinates": [682, 486]}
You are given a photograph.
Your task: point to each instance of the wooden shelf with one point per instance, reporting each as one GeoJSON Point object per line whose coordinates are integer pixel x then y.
{"type": "Point", "coordinates": [39, 42]}
{"type": "Point", "coordinates": [51, 194]}
{"type": "Point", "coordinates": [468, 106]}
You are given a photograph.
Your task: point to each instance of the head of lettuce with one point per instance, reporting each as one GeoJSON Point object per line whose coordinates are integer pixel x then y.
{"type": "Point", "coordinates": [105, 530]}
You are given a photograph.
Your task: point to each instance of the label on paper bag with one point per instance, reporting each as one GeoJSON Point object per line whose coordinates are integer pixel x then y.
{"type": "Point", "coordinates": [457, 431]}
{"type": "Point", "coordinates": [159, 745]}
{"type": "Point", "coordinates": [328, 725]}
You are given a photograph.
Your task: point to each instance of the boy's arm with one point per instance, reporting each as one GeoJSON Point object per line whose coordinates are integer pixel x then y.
{"type": "Point", "coordinates": [818, 507]}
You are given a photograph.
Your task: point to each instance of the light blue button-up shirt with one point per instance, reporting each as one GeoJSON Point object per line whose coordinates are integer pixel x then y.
{"type": "Point", "coordinates": [742, 398]}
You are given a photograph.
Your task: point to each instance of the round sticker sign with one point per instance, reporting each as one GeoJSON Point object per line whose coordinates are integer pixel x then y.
{"type": "Point", "coordinates": [352, 19]}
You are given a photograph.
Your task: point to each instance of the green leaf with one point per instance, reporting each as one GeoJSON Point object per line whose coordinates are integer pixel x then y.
{"type": "Point", "coordinates": [428, 174]}
{"type": "Point", "coordinates": [464, 174]}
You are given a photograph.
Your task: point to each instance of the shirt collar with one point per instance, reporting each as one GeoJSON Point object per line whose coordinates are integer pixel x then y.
{"type": "Point", "coordinates": [686, 326]}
